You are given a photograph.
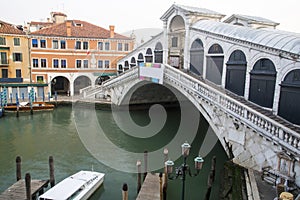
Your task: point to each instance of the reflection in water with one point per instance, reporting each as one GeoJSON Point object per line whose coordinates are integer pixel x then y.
{"type": "Point", "coordinates": [54, 133]}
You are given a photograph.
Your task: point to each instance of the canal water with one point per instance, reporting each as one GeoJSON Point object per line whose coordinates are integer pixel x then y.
{"type": "Point", "coordinates": [59, 133]}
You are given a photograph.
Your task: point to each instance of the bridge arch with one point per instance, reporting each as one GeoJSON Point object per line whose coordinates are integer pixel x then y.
{"type": "Point", "coordinates": [126, 65]}
{"type": "Point", "coordinates": [132, 62]}
{"type": "Point", "coordinates": [158, 53]}
{"type": "Point", "coordinates": [236, 72]}
{"type": "Point", "coordinates": [262, 83]}
{"type": "Point", "coordinates": [197, 57]}
{"type": "Point", "coordinates": [140, 58]}
{"type": "Point", "coordinates": [149, 55]}
{"type": "Point", "coordinates": [289, 107]}
{"type": "Point", "coordinates": [215, 63]}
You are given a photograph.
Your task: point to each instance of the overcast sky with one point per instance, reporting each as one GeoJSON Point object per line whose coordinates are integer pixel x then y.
{"type": "Point", "coordinates": [128, 15]}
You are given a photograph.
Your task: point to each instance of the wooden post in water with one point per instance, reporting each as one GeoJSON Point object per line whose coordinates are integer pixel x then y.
{"type": "Point", "coordinates": [28, 186]}
{"type": "Point", "coordinates": [160, 186]}
{"type": "Point", "coordinates": [211, 178]}
{"type": "Point", "coordinates": [18, 168]}
{"type": "Point", "coordinates": [145, 163]}
{"type": "Point", "coordinates": [125, 192]}
{"type": "Point", "coordinates": [51, 168]}
{"type": "Point", "coordinates": [139, 178]}
{"type": "Point", "coordinates": [166, 157]}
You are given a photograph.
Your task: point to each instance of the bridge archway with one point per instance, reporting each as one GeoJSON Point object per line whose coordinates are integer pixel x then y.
{"type": "Point", "coordinates": [197, 57]}
{"type": "Point", "coordinates": [236, 72]}
{"type": "Point", "coordinates": [262, 83]}
{"type": "Point", "coordinates": [81, 82]}
{"type": "Point", "coordinates": [289, 107]}
{"type": "Point", "coordinates": [60, 84]}
{"type": "Point", "coordinates": [214, 65]}
{"type": "Point", "coordinates": [126, 65]}
{"type": "Point", "coordinates": [158, 53]}
{"type": "Point", "coordinates": [140, 59]}
{"type": "Point", "coordinates": [132, 62]}
{"type": "Point", "coordinates": [149, 55]}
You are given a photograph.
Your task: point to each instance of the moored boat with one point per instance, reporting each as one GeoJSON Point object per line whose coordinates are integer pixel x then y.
{"type": "Point", "coordinates": [79, 186]}
{"type": "Point", "coordinates": [25, 106]}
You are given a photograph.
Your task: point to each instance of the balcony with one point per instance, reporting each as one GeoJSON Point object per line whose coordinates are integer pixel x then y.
{"type": "Point", "coordinates": [11, 80]}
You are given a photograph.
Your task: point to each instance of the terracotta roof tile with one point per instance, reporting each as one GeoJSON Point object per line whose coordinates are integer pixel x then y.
{"type": "Point", "coordinates": [6, 28]}
{"type": "Point", "coordinates": [80, 29]}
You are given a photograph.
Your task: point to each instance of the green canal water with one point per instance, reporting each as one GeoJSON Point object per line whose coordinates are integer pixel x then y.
{"type": "Point", "coordinates": [56, 133]}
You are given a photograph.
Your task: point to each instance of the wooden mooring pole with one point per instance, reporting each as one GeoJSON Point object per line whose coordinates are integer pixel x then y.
{"type": "Point", "coordinates": [51, 169]}
{"type": "Point", "coordinates": [139, 176]}
{"type": "Point", "coordinates": [28, 186]}
{"type": "Point", "coordinates": [164, 189]}
{"type": "Point", "coordinates": [211, 178]}
{"type": "Point", "coordinates": [125, 192]}
{"type": "Point", "coordinates": [145, 164]}
{"type": "Point", "coordinates": [18, 168]}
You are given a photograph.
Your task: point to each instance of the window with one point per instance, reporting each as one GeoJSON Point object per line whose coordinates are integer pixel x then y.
{"type": "Point", "coordinates": [85, 45]}
{"type": "Point", "coordinates": [63, 63]}
{"type": "Point", "coordinates": [78, 45]}
{"type": "Point", "coordinates": [4, 73]}
{"type": "Point", "coordinates": [43, 43]}
{"type": "Point", "coordinates": [100, 64]}
{"type": "Point", "coordinates": [16, 41]}
{"type": "Point", "coordinates": [100, 45]}
{"type": "Point", "coordinates": [55, 63]}
{"type": "Point", "coordinates": [55, 44]}
{"type": "Point", "coordinates": [34, 43]}
{"type": "Point", "coordinates": [106, 64]}
{"type": "Point", "coordinates": [2, 41]}
{"type": "Point", "coordinates": [43, 62]}
{"type": "Point", "coordinates": [18, 73]}
{"type": "Point", "coordinates": [174, 42]}
{"type": "Point", "coordinates": [120, 46]}
{"type": "Point", "coordinates": [78, 63]}
{"type": "Point", "coordinates": [35, 62]}
{"type": "Point", "coordinates": [3, 58]}
{"type": "Point", "coordinates": [107, 46]}
{"type": "Point", "coordinates": [63, 44]}
{"type": "Point", "coordinates": [85, 63]}
{"type": "Point", "coordinates": [126, 48]}
{"type": "Point", "coordinates": [39, 79]}
{"type": "Point", "coordinates": [17, 57]}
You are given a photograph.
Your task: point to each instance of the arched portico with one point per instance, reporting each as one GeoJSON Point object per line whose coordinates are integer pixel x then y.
{"type": "Point", "coordinates": [81, 82]}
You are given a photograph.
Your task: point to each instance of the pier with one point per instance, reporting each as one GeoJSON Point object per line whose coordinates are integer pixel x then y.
{"type": "Point", "coordinates": [151, 188]}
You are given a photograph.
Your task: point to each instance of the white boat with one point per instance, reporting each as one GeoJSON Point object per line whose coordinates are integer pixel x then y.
{"type": "Point", "coordinates": [79, 186]}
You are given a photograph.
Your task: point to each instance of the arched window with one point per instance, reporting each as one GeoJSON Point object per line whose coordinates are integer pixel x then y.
{"type": "Point", "coordinates": [214, 64]}
{"type": "Point", "coordinates": [140, 59]}
{"type": "Point", "coordinates": [197, 57]}
{"type": "Point", "coordinates": [262, 83]}
{"type": "Point", "coordinates": [149, 56]}
{"type": "Point", "coordinates": [289, 107]}
{"type": "Point", "coordinates": [126, 67]}
{"type": "Point", "coordinates": [132, 62]}
{"type": "Point", "coordinates": [236, 73]}
{"type": "Point", "coordinates": [158, 53]}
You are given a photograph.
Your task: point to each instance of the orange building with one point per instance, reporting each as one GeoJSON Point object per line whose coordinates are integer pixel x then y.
{"type": "Point", "coordinates": [72, 54]}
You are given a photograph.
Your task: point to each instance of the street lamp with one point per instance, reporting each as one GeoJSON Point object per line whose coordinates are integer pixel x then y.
{"type": "Point", "coordinates": [183, 168]}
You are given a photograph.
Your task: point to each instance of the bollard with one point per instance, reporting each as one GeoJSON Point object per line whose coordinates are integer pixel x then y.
{"type": "Point", "coordinates": [51, 168]}
{"type": "Point", "coordinates": [139, 184]}
{"type": "Point", "coordinates": [28, 186]}
{"type": "Point", "coordinates": [125, 192]}
{"type": "Point", "coordinates": [145, 163]}
{"type": "Point", "coordinates": [18, 168]}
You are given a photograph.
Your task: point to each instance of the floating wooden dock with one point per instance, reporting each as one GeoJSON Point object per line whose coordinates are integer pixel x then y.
{"type": "Point", "coordinates": [18, 190]}
{"type": "Point", "coordinates": [151, 188]}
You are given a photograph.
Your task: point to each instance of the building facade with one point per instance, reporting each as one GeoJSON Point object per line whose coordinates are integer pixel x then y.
{"type": "Point", "coordinates": [72, 54]}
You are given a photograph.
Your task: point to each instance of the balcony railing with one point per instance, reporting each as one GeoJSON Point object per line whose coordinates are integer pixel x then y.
{"type": "Point", "coordinates": [11, 80]}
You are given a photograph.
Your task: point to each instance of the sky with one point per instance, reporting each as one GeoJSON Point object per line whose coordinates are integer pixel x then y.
{"type": "Point", "coordinates": [129, 15]}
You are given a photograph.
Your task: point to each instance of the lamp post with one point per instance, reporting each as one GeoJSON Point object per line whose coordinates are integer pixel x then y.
{"type": "Point", "coordinates": [183, 168]}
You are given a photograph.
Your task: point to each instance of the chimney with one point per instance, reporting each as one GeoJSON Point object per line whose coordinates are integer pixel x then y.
{"type": "Point", "coordinates": [112, 31]}
{"type": "Point", "coordinates": [69, 25]}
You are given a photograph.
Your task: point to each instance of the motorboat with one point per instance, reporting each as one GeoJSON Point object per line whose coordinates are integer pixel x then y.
{"type": "Point", "coordinates": [79, 186]}
{"type": "Point", "coordinates": [25, 106]}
